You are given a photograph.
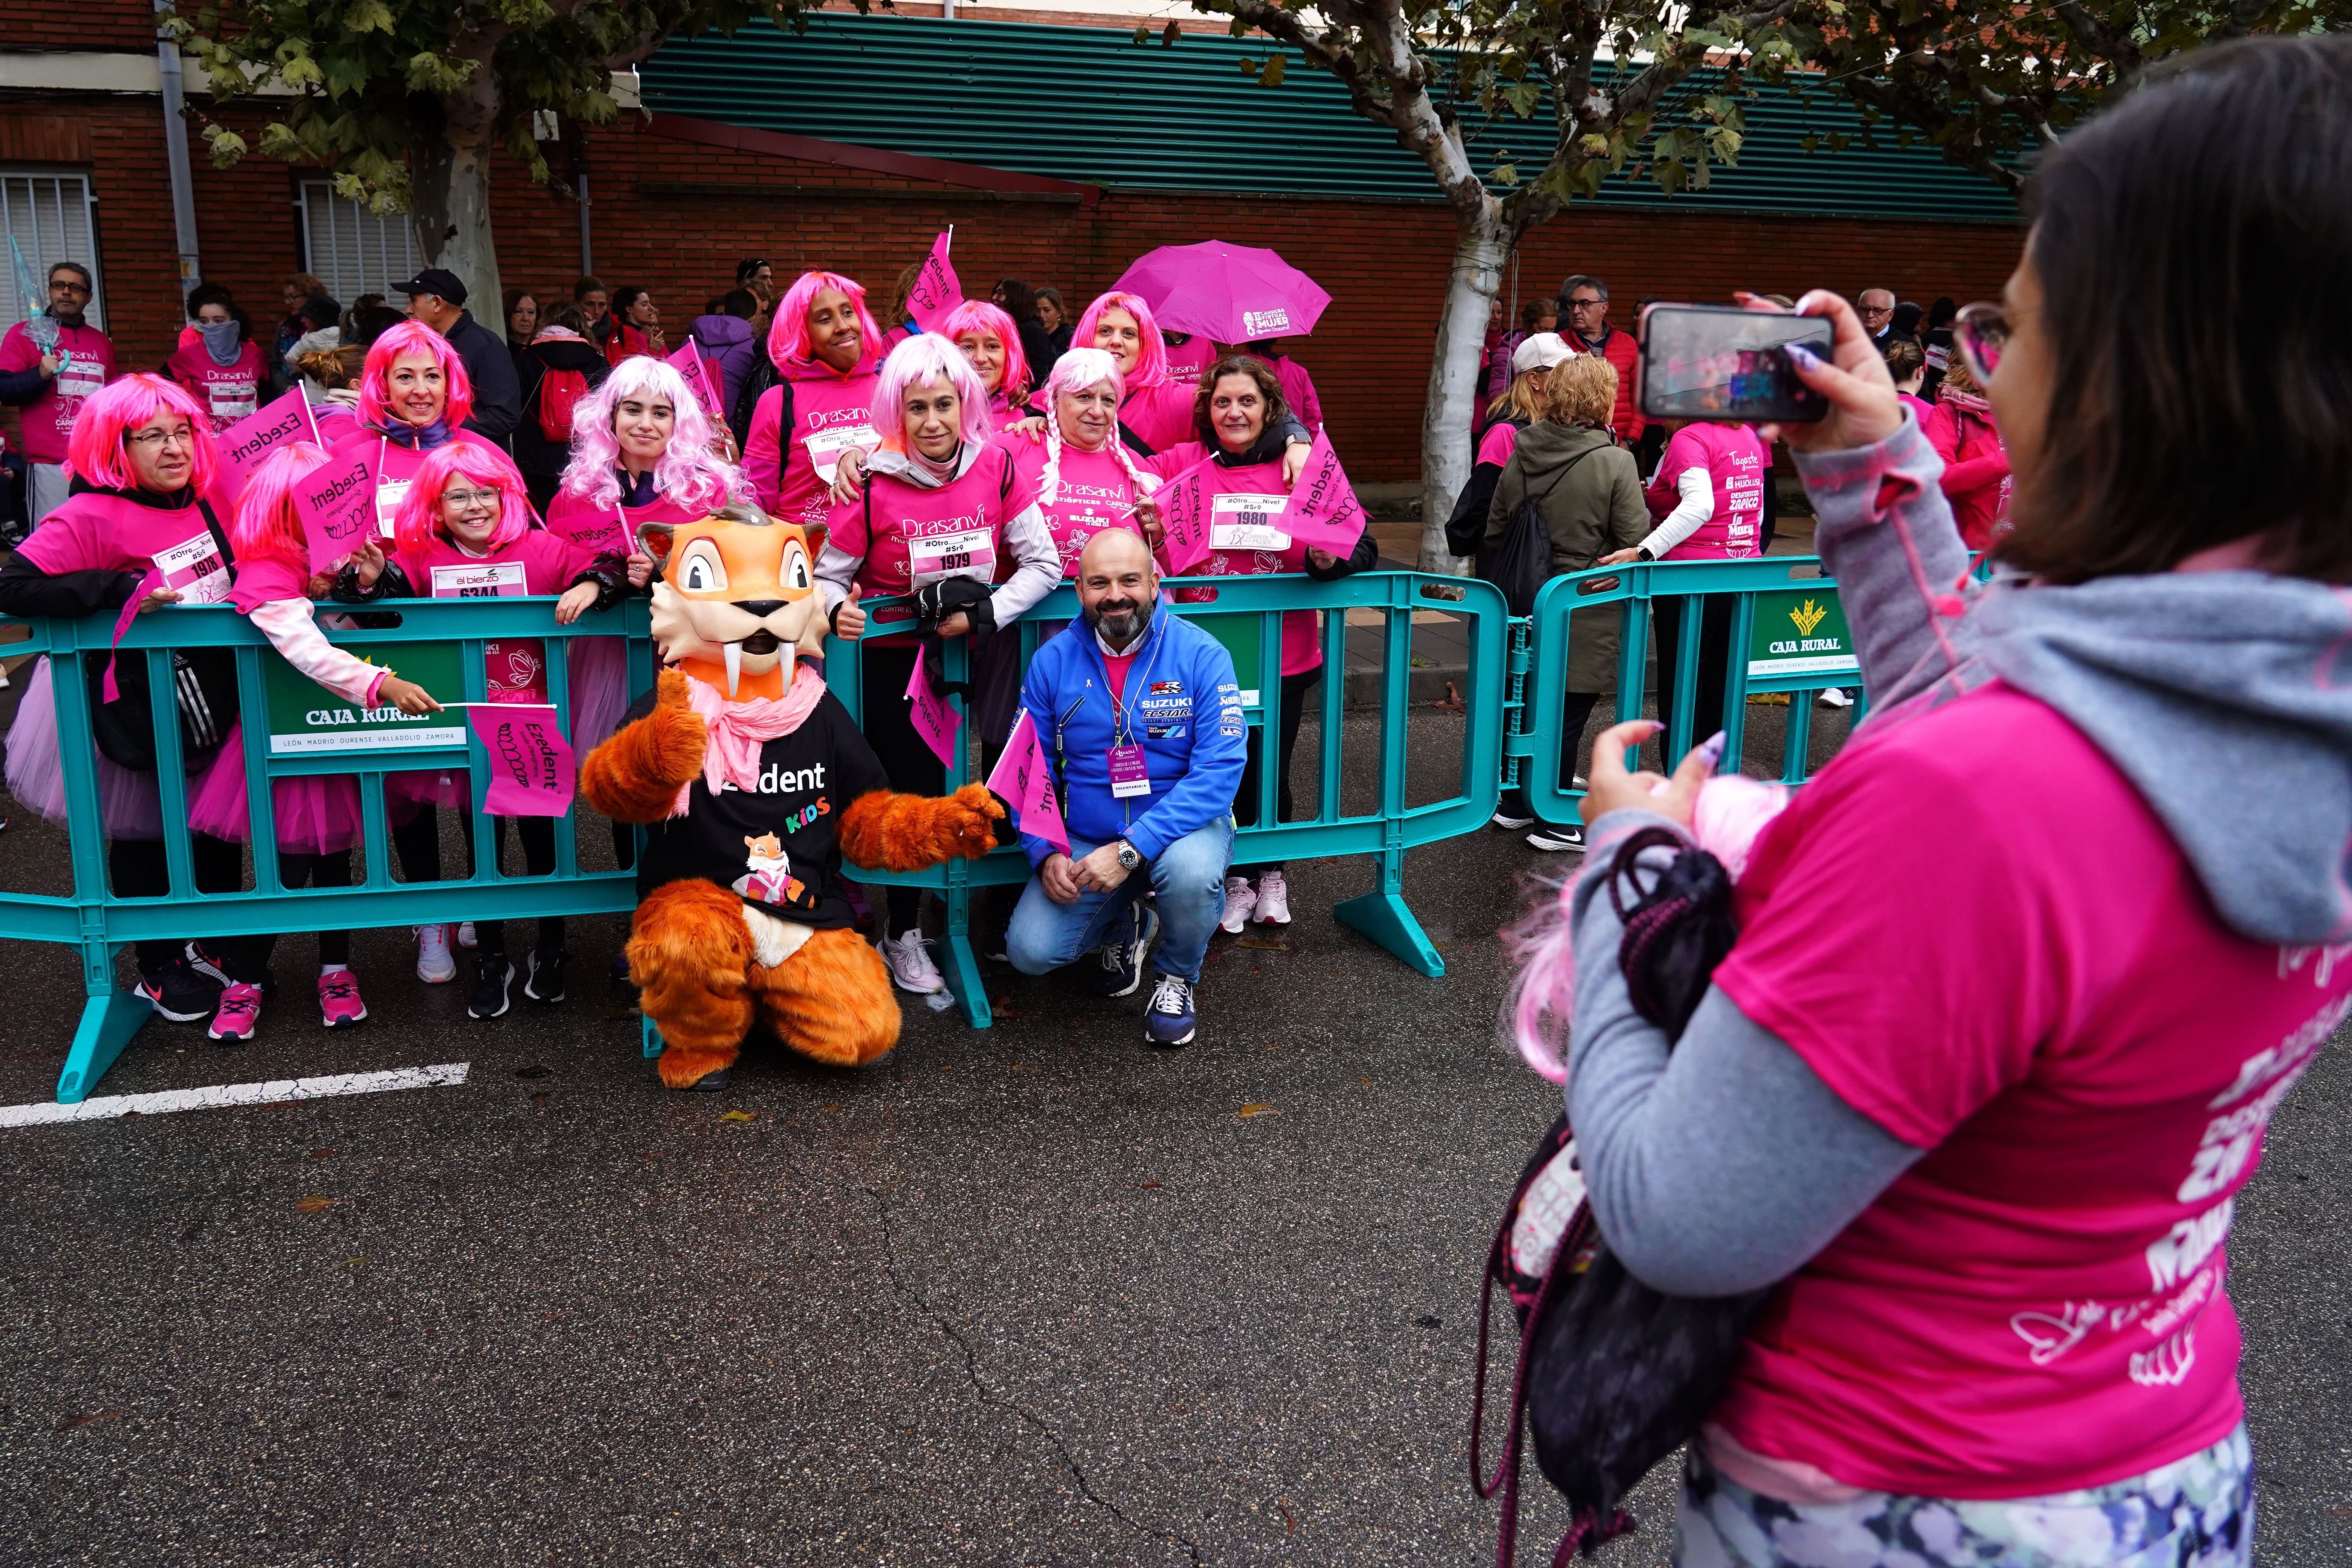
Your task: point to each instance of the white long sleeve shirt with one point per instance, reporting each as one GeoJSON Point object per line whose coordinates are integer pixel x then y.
{"type": "Point", "coordinates": [1696, 487]}
{"type": "Point", "coordinates": [291, 630]}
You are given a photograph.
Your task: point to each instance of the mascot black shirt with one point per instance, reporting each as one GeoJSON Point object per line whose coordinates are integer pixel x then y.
{"type": "Point", "coordinates": [779, 844]}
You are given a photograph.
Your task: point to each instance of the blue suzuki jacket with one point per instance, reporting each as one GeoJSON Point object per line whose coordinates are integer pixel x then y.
{"type": "Point", "coordinates": [1182, 705]}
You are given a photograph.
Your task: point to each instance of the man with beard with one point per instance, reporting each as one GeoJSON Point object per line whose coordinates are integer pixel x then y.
{"type": "Point", "coordinates": [47, 365]}
{"type": "Point", "coordinates": [1138, 710]}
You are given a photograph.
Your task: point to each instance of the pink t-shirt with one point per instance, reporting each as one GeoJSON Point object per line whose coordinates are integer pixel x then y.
{"type": "Point", "coordinates": [1979, 935]}
{"type": "Point", "coordinates": [85, 363]}
{"type": "Point", "coordinates": [1188, 359]}
{"type": "Point", "coordinates": [1502, 437]}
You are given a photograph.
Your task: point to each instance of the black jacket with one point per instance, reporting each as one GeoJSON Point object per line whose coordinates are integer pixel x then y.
{"type": "Point", "coordinates": [498, 400]}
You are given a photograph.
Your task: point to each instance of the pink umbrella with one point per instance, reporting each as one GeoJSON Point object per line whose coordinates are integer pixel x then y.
{"type": "Point", "coordinates": [1228, 293]}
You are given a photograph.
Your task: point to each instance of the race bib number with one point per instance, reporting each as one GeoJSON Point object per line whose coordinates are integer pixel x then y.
{"type": "Point", "coordinates": [825, 446]}
{"type": "Point", "coordinates": [389, 494]}
{"type": "Point", "coordinates": [193, 570]}
{"type": "Point", "coordinates": [233, 402]}
{"type": "Point", "coordinates": [490, 580]}
{"type": "Point", "coordinates": [1243, 522]}
{"type": "Point", "coordinates": [970, 553]}
{"type": "Point", "coordinates": [77, 379]}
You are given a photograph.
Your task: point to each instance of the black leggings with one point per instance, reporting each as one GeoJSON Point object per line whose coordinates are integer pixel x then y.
{"type": "Point", "coordinates": [1575, 713]}
{"type": "Point", "coordinates": [1295, 689]}
{"type": "Point", "coordinates": [417, 841]}
{"type": "Point", "coordinates": [140, 871]}
{"type": "Point", "coordinates": [1714, 664]}
{"type": "Point", "coordinates": [297, 870]}
{"type": "Point", "coordinates": [907, 759]}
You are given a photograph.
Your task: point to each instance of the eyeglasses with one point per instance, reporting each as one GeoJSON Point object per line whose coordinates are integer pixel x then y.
{"type": "Point", "coordinates": [466, 500]}
{"type": "Point", "coordinates": [68, 287]}
{"type": "Point", "coordinates": [154, 440]}
{"type": "Point", "coordinates": [1982, 333]}
{"type": "Point", "coordinates": [1585, 304]}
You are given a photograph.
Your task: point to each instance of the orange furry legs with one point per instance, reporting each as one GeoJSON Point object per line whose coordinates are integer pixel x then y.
{"type": "Point", "coordinates": [829, 1001]}
{"type": "Point", "coordinates": [688, 949]}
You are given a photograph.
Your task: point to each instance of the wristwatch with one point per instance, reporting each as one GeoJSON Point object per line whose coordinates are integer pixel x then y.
{"type": "Point", "coordinates": [1129, 855]}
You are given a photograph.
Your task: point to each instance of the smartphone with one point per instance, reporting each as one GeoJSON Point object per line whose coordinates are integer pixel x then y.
{"type": "Point", "coordinates": [1718, 361]}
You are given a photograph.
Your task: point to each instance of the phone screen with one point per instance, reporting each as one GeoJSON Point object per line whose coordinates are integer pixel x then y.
{"type": "Point", "coordinates": [1715, 362]}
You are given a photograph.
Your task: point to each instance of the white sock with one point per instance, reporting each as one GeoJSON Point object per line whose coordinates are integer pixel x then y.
{"type": "Point", "coordinates": [327, 969]}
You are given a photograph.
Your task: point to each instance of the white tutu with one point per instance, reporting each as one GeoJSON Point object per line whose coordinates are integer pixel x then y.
{"type": "Point", "coordinates": [129, 803]}
{"type": "Point", "coordinates": [598, 671]}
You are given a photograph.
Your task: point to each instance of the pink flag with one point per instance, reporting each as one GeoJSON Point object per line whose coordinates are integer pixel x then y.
{"type": "Point", "coordinates": [245, 444]}
{"type": "Point", "coordinates": [1184, 513]}
{"type": "Point", "coordinates": [688, 363]}
{"type": "Point", "coordinates": [531, 768]}
{"type": "Point", "coordinates": [937, 291]}
{"type": "Point", "coordinates": [107, 691]}
{"type": "Point", "coordinates": [1323, 511]}
{"type": "Point", "coordinates": [337, 505]}
{"type": "Point", "coordinates": [592, 531]}
{"type": "Point", "coordinates": [935, 722]}
{"type": "Point", "coordinates": [1026, 782]}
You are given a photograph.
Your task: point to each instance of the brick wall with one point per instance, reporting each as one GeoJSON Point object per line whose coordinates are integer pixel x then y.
{"type": "Point", "coordinates": [675, 216]}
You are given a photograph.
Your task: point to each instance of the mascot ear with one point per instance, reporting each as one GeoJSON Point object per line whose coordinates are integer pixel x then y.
{"type": "Point", "coordinates": [654, 540]}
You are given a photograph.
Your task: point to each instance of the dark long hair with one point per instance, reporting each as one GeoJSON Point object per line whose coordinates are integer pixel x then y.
{"type": "Point", "coordinates": [2191, 246]}
{"type": "Point", "coordinates": [1016, 298]}
{"type": "Point", "coordinates": [1269, 387]}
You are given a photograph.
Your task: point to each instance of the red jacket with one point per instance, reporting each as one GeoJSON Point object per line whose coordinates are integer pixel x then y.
{"type": "Point", "coordinates": [1975, 471]}
{"type": "Point", "coordinates": [1620, 349]}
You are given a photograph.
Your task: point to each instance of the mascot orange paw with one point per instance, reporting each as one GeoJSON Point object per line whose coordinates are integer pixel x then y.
{"type": "Point", "coordinates": [909, 832]}
{"type": "Point", "coordinates": [635, 775]}
{"type": "Point", "coordinates": [688, 949]}
{"type": "Point", "coordinates": [829, 1001]}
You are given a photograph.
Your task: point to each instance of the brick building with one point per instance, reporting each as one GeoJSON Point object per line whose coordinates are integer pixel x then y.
{"type": "Point", "coordinates": [1059, 152]}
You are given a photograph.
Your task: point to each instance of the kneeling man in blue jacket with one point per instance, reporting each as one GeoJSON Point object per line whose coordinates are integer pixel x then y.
{"type": "Point", "coordinates": [1139, 713]}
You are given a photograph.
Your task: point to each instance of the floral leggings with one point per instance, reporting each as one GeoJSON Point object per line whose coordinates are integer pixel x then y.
{"type": "Point", "coordinates": [2197, 1512]}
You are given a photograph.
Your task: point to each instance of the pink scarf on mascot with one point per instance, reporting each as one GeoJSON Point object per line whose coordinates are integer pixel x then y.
{"type": "Point", "coordinates": [736, 730]}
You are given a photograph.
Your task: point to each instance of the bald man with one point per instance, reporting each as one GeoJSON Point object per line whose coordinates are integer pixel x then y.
{"type": "Point", "coordinates": [1140, 717]}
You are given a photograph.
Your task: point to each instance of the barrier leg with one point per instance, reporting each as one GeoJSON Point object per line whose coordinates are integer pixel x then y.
{"type": "Point", "coordinates": [962, 967]}
{"type": "Point", "coordinates": [654, 1045]}
{"type": "Point", "coordinates": [108, 1019]}
{"type": "Point", "coordinates": [1383, 916]}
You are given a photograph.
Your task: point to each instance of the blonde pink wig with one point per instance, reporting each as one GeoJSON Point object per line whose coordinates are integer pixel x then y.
{"type": "Point", "coordinates": [980, 316]}
{"type": "Point", "coordinates": [688, 474]}
{"type": "Point", "coordinates": [264, 527]}
{"type": "Point", "coordinates": [921, 358]}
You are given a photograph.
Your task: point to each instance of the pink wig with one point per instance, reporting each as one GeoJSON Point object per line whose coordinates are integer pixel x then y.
{"type": "Point", "coordinates": [414, 337]}
{"type": "Point", "coordinates": [97, 450]}
{"type": "Point", "coordinates": [1731, 813]}
{"type": "Point", "coordinates": [788, 334]}
{"type": "Point", "coordinates": [688, 474]}
{"type": "Point", "coordinates": [980, 316]}
{"type": "Point", "coordinates": [921, 358]}
{"type": "Point", "coordinates": [264, 527]}
{"type": "Point", "coordinates": [419, 523]}
{"type": "Point", "coordinates": [1150, 360]}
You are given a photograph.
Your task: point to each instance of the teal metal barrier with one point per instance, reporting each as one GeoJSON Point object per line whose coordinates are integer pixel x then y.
{"type": "Point", "coordinates": [1788, 633]}
{"type": "Point", "coordinates": [98, 923]}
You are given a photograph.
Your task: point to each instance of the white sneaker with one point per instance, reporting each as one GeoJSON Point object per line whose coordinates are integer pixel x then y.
{"type": "Point", "coordinates": [911, 968]}
{"type": "Point", "coordinates": [1558, 840]}
{"type": "Point", "coordinates": [1273, 899]}
{"type": "Point", "coordinates": [466, 934]}
{"type": "Point", "coordinates": [1581, 783]}
{"type": "Point", "coordinates": [1239, 901]}
{"type": "Point", "coordinates": [434, 965]}
{"type": "Point", "coordinates": [1835, 697]}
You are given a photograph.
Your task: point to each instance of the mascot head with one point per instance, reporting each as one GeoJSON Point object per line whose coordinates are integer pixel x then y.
{"type": "Point", "coordinates": [736, 596]}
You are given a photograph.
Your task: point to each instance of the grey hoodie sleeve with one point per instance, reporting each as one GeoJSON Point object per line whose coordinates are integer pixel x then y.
{"type": "Point", "coordinates": [1723, 1167]}
{"type": "Point", "coordinates": [1886, 533]}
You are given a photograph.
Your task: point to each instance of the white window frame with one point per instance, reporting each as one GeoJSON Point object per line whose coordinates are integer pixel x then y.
{"type": "Point", "coordinates": [22, 187]}
{"type": "Point", "coordinates": [376, 264]}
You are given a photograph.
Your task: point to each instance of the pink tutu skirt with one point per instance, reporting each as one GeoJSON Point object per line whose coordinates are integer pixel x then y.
{"type": "Point", "coordinates": [405, 794]}
{"type": "Point", "coordinates": [317, 814]}
{"type": "Point", "coordinates": [129, 803]}
{"type": "Point", "coordinates": [598, 670]}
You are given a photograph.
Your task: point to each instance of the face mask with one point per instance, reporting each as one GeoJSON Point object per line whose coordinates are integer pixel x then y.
{"type": "Point", "coordinates": [220, 341]}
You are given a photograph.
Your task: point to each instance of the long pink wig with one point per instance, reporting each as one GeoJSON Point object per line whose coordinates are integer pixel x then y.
{"type": "Point", "coordinates": [264, 527]}
{"type": "Point", "coordinates": [688, 473]}
{"type": "Point", "coordinates": [107, 416]}
{"type": "Point", "coordinates": [980, 316]}
{"type": "Point", "coordinates": [1075, 372]}
{"type": "Point", "coordinates": [1150, 360]}
{"type": "Point", "coordinates": [788, 334]}
{"type": "Point", "coordinates": [918, 359]}
{"type": "Point", "coordinates": [419, 523]}
{"type": "Point", "coordinates": [1731, 813]}
{"type": "Point", "coordinates": [414, 337]}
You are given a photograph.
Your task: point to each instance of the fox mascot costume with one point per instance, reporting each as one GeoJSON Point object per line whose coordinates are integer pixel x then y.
{"type": "Point", "coordinates": [753, 783]}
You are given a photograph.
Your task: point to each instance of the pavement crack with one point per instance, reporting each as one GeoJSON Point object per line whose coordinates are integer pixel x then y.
{"type": "Point", "coordinates": [989, 1395]}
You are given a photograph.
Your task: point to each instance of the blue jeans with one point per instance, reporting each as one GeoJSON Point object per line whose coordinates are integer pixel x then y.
{"type": "Point", "coordinates": [1189, 878]}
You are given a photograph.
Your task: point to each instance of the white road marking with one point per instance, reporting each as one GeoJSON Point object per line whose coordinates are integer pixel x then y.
{"type": "Point", "coordinates": [211, 1098]}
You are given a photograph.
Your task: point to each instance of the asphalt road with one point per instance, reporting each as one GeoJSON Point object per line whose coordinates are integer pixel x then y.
{"type": "Point", "coordinates": [1036, 1295]}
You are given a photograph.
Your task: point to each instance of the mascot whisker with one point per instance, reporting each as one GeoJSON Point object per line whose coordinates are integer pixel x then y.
{"type": "Point", "coordinates": [753, 782]}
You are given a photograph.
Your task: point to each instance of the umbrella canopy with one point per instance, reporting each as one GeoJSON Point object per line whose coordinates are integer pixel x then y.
{"type": "Point", "coordinates": [1229, 293]}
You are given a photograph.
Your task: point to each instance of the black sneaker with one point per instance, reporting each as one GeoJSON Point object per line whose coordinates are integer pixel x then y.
{"type": "Point", "coordinates": [1168, 1021]}
{"type": "Point", "coordinates": [207, 963]}
{"type": "Point", "coordinates": [179, 992]}
{"type": "Point", "coordinates": [1558, 840]}
{"type": "Point", "coordinates": [545, 980]}
{"type": "Point", "coordinates": [1119, 960]}
{"type": "Point", "coordinates": [492, 976]}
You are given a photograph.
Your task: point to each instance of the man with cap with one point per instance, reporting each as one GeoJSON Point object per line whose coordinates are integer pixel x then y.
{"type": "Point", "coordinates": [437, 299]}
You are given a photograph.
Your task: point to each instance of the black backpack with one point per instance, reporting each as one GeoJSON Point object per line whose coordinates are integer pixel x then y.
{"type": "Point", "coordinates": [1466, 530]}
{"type": "Point", "coordinates": [761, 375]}
{"type": "Point", "coordinates": [1520, 562]}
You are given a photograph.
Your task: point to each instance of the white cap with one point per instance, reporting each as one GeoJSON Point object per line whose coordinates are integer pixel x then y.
{"type": "Point", "coordinates": [1540, 350]}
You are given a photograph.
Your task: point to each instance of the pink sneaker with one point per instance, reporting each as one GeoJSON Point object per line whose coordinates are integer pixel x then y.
{"type": "Point", "coordinates": [239, 1013]}
{"type": "Point", "coordinates": [339, 999]}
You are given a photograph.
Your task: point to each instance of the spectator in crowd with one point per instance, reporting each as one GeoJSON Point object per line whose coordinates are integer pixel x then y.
{"type": "Point", "coordinates": [1905, 323]}
{"type": "Point", "coordinates": [49, 364]}
{"type": "Point", "coordinates": [1586, 301]}
{"type": "Point", "coordinates": [1013, 297]}
{"type": "Point", "coordinates": [217, 360]}
{"type": "Point", "coordinates": [1590, 492]}
{"type": "Point", "coordinates": [1877, 309]}
{"type": "Point", "coordinates": [522, 319]}
{"type": "Point", "coordinates": [292, 293]}
{"type": "Point", "coordinates": [730, 335]}
{"type": "Point", "coordinates": [1523, 402]}
{"type": "Point", "coordinates": [595, 303]}
{"type": "Point", "coordinates": [755, 273]}
{"type": "Point", "coordinates": [353, 313]}
{"type": "Point", "coordinates": [1132, 693]}
{"type": "Point", "coordinates": [1906, 365]}
{"type": "Point", "coordinates": [557, 371]}
{"type": "Point", "coordinates": [635, 325]}
{"type": "Point", "coordinates": [2021, 976]}
{"type": "Point", "coordinates": [319, 319]}
{"type": "Point", "coordinates": [437, 299]}
{"type": "Point", "coordinates": [1297, 386]}
{"type": "Point", "coordinates": [1055, 317]}
{"type": "Point", "coordinates": [1501, 368]}
{"type": "Point", "coordinates": [1937, 343]}
{"type": "Point", "coordinates": [1976, 465]}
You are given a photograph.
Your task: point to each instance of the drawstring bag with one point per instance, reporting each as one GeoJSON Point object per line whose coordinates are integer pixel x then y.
{"type": "Point", "coordinates": [1520, 562]}
{"type": "Point", "coordinates": [1612, 1375]}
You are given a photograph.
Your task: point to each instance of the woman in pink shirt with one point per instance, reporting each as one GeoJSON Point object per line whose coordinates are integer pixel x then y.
{"type": "Point", "coordinates": [828, 352]}
{"type": "Point", "coordinates": [216, 359]}
{"type": "Point", "coordinates": [2021, 976]}
{"type": "Point", "coordinates": [1976, 465]}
